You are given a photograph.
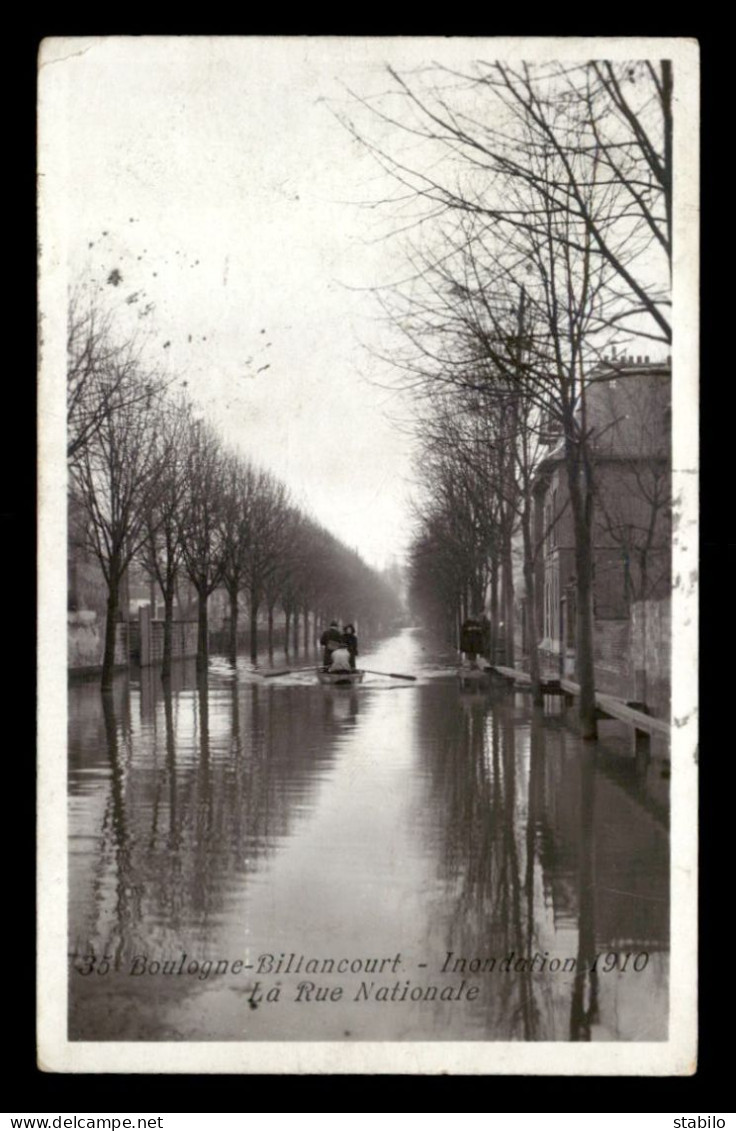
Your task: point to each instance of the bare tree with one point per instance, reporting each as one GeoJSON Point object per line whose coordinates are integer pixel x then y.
{"type": "Point", "coordinates": [289, 575]}
{"type": "Point", "coordinates": [162, 550]}
{"type": "Point", "coordinates": [269, 512]}
{"type": "Point", "coordinates": [201, 524]}
{"type": "Point", "coordinates": [321, 578]}
{"type": "Point", "coordinates": [116, 476]}
{"type": "Point", "coordinates": [104, 375]}
{"type": "Point", "coordinates": [506, 433]}
{"type": "Point", "coordinates": [278, 586]}
{"type": "Point", "coordinates": [609, 129]}
{"type": "Point", "coordinates": [606, 126]}
{"type": "Point", "coordinates": [566, 174]}
{"type": "Point", "coordinates": [238, 534]}
{"type": "Point", "coordinates": [540, 219]}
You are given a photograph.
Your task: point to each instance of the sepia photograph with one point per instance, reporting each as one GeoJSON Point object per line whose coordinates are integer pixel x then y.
{"type": "Point", "coordinates": [367, 667]}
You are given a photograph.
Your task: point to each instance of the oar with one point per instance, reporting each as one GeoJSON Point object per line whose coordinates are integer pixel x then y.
{"type": "Point", "coordinates": [284, 671]}
{"type": "Point", "coordinates": [394, 675]}
{"type": "Point", "coordinates": [370, 671]}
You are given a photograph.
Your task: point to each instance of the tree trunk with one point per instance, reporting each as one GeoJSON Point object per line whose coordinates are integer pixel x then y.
{"type": "Point", "coordinates": [108, 660]}
{"type": "Point", "coordinates": [296, 632]}
{"type": "Point", "coordinates": [203, 643]}
{"type": "Point", "coordinates": [233, 649]}
{"type": "Point", "coordinates": [531, 608]}
{"type": "Point", "coordinates": [641, 690]}
{"type": "Point", "coordinates": [287, 626]}
{"type": "Point", "coordinates": [535, 809]}
{"type": "Point", "coordinates": [582, 508]}
{"type": "Point", "coordinates": [507, 586]}
{"type": "Point", "coordinates": [494, 608]}
{"type": "Point", "coordinates": [168, 628]}
{"type": "Point", "coordinates": [306, 631]}
{"type": "Point", "coordinates": [478, 597]}
{"type": "Point", "coordinates": [270, 629]}
{"type": "Point", "coordinates": [253, 627]}
{"type": "Point", "coordinates": [643, 580]}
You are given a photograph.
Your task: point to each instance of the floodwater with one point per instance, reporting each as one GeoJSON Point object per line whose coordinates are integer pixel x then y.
{"type": "Point", "coordinates": [269, 859]}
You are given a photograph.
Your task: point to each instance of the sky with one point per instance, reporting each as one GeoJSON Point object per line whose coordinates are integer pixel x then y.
{"type": "Point", "coordinates": [215, 178]}
{"type": "Point", "coordinates": [240, 216]}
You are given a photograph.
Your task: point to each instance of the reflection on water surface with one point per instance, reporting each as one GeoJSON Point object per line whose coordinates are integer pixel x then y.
{"type": "Point", "coordinates": [275, 860]}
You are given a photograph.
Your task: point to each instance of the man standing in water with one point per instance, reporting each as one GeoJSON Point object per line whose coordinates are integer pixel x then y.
{"type": "Point", "coordinates": [472, 640]}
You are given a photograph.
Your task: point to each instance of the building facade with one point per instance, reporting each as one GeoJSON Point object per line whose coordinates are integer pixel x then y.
{"type": "Point", "coordinates": [628, 411]}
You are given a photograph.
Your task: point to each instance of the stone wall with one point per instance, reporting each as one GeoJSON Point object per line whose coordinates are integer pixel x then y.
{"type": "Point", "coordinates": [150, 638]}
{"type": "Point", "coordinates": [86, 642]}
{"type": "Point", "coordinates": [611, 657]}
{"type": "Point", "coordinates": [650, 654]}
{"type": "Point", "coordinates": [632, 657]}
{"type": "Point", "coordinates": [183, 640]}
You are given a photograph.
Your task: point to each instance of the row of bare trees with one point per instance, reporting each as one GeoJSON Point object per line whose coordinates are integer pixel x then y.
{"type": "Point", "coordinates": [156, 486]}
{"type": "Point", "coordinates": [535, 215]}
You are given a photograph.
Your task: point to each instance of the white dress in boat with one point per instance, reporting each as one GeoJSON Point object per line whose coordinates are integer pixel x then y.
{"type": "Point", "coordinates": [340, 660]}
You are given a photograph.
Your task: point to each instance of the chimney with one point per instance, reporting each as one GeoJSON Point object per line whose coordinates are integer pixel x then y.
{"type": "Point", "coordinates": [646, 360]}
{"type": "Point", "coordinates": [638, 360]}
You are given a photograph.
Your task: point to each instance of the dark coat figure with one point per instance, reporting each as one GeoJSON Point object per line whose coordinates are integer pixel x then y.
{"type": "Point", "coordinates": [471, 637]}
{"type": "Point", "coordinates": [350, 640]}
{"type": "Point", "coordinates": [330, 639]}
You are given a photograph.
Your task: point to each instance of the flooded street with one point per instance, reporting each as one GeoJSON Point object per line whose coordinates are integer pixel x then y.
{"type": "Point", "coordinates": [269, 859]}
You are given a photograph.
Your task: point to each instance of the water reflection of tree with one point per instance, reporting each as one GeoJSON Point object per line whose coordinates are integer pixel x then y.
{"type": "Point", "coordinates": [520, 838]}
{"type": "Point", "coordinates": [491, 811]}
{"type": "Point", "coordinates": [181, 831]}
{"type": "Point", "coordinates": [149, 680]}
{"type": "Point", "coordinates": [537, 846]}
{"type": "Point", "coordinates": [114, 903]}
{"type": "Point", "coordinates": [119, 837]}
{"type": "Point", "coordinates": [584, 1005]}
{"type": "Point", "coordinates": [605, 861]}
{"type": "Point", "coordinates": [203, 802]}
{"type": "Point", "coordinates": [174, 836]}
{"type": "Point", "coordinates": [524, 1019]}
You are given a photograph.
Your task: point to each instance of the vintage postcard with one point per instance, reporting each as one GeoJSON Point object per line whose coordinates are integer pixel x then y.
{"type": "Point", "coordinates": [368, 483]}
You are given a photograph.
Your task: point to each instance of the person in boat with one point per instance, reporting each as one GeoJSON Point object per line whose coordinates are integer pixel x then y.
{"type": "Point", "coordinates": [350, 640]}
{"type": "Point", "coordinates": [330, 639]}
{"type": "Point", "coordinates": [340, 659]}
{"type": "Point", "coordinates": [472, 639]}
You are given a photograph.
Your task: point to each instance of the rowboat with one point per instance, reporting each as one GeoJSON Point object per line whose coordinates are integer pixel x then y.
{"type": "Point", "coordinates": [340, 679]}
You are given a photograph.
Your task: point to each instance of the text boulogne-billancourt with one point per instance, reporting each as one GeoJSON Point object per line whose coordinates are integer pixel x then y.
{"type": "Point", "coordinates": [264, 964]}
